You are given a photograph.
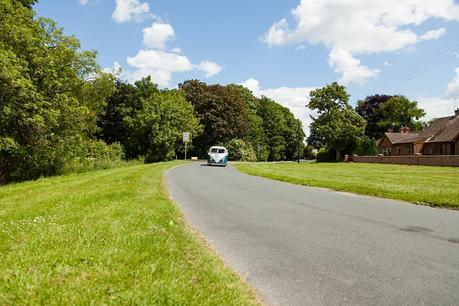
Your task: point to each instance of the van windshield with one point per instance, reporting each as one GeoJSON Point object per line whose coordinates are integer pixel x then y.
{"type": "Point", "coordinates": [221, 151]}
{"type": "Point", "coordinates": [213, 150]}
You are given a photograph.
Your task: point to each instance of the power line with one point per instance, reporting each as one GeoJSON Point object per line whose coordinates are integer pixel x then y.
{"type": "Point", "coordinates": [426, 63]}
{"type": "Point", "coordinates": [421, 71]}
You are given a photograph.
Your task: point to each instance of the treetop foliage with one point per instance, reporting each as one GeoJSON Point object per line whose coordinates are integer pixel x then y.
{"type": "Point", "coordinates": [337, 126]}
{"type": "Point", "coordinates": [48, 93]}
{"type": "Point", "coordinates": [60, 113]}
{"type": "Point", "coordinates": [383, 112]}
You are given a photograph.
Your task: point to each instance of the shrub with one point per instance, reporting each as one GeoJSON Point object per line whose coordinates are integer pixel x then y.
{"type": "Point", "coordinates": [365, 146]}
{"type": "Point", "coordinates": [326, 155]}
{"type": "Point", "coordinates": [238, 149]}
{"type": "Point", "coordinates": [308, 153]}
{"type": "Point", "coordinates": [92, 155]}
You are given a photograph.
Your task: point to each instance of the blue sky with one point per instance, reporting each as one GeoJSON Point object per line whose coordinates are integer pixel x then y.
{"type": "Point", "coordinates": [281, 49]}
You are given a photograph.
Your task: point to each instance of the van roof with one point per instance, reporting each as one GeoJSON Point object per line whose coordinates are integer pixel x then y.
{"type": "Point", "coordinates": [218, 147]}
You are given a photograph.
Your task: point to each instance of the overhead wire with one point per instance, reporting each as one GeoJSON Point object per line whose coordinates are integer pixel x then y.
{"type": "Point", "coordinates": [425, 64]}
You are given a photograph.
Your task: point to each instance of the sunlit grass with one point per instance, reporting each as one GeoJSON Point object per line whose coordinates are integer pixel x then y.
{"type": "Point", "coordinates": [435, 186]}
{"type": "Point", "coordinates": [106, 237]}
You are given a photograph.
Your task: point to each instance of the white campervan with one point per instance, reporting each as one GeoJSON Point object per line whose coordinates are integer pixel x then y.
{"type": "Point", "coordinates": [217, 156]}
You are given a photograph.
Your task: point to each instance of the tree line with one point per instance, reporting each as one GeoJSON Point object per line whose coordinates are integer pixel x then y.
{"type": "Point", "coordinates": [60, 113]}
{"type": "Point", "coordinates": [340, 129]}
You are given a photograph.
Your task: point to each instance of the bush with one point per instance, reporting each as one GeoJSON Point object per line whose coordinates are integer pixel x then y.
{"type": "Point", "coordinates": [92, 155]}
{"type": "Point", "coordinates": [308, 153]}
{"type": "Point", "coordinates": [238, 149]}
{"type": "Point", "coordinates": [326, 155]}
{"type": "Point", "coordinates": [365, 146]}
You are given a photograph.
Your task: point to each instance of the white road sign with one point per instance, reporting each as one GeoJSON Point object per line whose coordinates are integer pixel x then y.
{"type": "Point", "coordinates": [186, 136]}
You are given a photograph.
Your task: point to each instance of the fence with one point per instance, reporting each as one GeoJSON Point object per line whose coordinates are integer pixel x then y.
{"type": "Point", "coordinates": [424, 160]}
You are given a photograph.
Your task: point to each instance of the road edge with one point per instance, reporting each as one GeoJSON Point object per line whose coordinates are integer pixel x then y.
{"type": "Point", "coordinates": [202, 239]}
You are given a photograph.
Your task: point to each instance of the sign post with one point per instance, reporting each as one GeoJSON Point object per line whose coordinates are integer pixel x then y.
{"type": "Point", "coordinates": [186, 138]}
{"type": "Point", "coordinates": [259, 148]}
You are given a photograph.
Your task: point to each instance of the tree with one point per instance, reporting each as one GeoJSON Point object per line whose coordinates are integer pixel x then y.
{"type": "Point", "coordinates": [337, 123]}
{"type": "Point", "coordinates": [398, 112]}
{"type": "Point", "coordinates": [49, 94]}
{"type": "Point", "coordinates": [369, 110]}
{"type": "Point", "coordinates": [238, 149]}
{"type": "Point", "coordinates": [221, 110]}
{"type": "Point", "coordinates": [383, 112]}
{"type": "Point", "coordinates": [365, 146]}
{"type": "Point", "coordinates": [283, 132]}
{"type": "Point", "coordinates": [257, 132]}
{"type": "Point", "coordinates": [147, 121]}
{"type": "Point", "coordinates": [233, 112]}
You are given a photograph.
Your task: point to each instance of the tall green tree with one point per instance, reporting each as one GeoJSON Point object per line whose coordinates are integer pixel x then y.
{"type": "Point", "coordinates": [147, 121]}
{"type": "Point", "coordinates": [284, 133]}
{"type": "Point", "coordinates": [337, 123]}
{"type": "Point", "coordinates": [221, 110]}
{"type": "Point", "coordinates": [49, 93]}
{"type": "Point", "coordinates": [398, 112]}
{"type": "Point", "coordinates": [258, 137]}
{"type": "Point", "coordinates": [382, 112]}
{"type": "Point", "coordinates": [369, 110]}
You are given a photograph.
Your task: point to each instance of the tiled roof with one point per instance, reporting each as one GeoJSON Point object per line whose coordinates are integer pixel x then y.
{"type": "Point", "coordinates": [401, 137]}
{"type": "Point", "coordinates": [442, 129]}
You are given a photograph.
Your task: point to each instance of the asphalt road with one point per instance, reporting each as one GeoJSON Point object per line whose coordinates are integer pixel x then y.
{"type": "Point", "coordinates": [309, 246]}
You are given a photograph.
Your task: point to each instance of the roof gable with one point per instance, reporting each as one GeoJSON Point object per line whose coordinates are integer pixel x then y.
{"type": "Point", "coordinates": [402, 137]}
{"type": "Point", "coordinates": [444, 129]}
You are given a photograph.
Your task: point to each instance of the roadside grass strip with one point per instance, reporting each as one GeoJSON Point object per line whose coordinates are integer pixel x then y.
{"type": "Point", "coordinates": [106, 237]}
{"type": "Point", "coordinates": [433, 186]}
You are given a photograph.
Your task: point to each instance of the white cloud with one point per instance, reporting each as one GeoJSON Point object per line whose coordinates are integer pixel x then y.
{"type": "Point", "coordinates": [295, 98]}
{"type": "Point", "coordinates": [209, 68]}
{"type": "Point", "coordinates": [254, 86]}
{"type": "Point", "coordinates": [84, 2]}
{"type": "Point", "coordinates": [361, 26]}
{"type": "Point", "coordinates": [436, 107]}
{"type": "Point", "coordinates": [453, 86]}
{"type": "Point", "coordinates": [300, 48]}
{"type": "Point", "coordinates": [350, 68]}
{"type": "Point", "coordinates": [156, 36]}
{"type": "Point", "coordinates": [160, 65]}
{"type": "Point", "coordinates": [115, 70]}
{"type": "Point", "coordinates": [387, 64]}
{"type": "Point", "coordinates": [176, 50]}
{"type": "Point", "coordinates": [433, 34]}
{"type": "Point", "coordinates": [130, 10]}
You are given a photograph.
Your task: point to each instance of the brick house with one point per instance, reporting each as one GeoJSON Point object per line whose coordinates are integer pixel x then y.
{"type": "Point", "coordinates": [441, 137]}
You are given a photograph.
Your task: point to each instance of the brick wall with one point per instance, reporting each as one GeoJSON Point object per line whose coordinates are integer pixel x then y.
{"type": "Point", "coordinates": [425, 160]}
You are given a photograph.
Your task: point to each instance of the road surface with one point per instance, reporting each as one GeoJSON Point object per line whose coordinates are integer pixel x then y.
{"type": "Point", "coordinates": [309, 246]}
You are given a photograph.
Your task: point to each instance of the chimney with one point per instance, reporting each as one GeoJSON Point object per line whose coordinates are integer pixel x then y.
{"type": "Point", "coordinates": [405, 130]}
{"type": "Point", "coordinates": [390, 130]}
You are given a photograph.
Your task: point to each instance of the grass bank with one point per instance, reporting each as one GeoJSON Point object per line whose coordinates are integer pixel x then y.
{"type": "Point", "coordinates": [434, 186]}
{"type": "Point", "coordinates": [106, 237]}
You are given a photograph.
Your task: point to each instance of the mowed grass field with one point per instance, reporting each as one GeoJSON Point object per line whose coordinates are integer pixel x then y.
{"type": "Point", "coordinates": [106, 237]}
{"type": "Point", "coordinates": [434, 186]}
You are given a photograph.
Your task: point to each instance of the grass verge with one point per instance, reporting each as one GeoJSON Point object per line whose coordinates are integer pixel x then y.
{"type": "Point", "coordinates": [106, 237]}
{"type": "Point", "coordinates": [434, 186]}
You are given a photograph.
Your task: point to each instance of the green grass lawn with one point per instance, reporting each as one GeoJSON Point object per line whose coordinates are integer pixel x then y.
{"type": "Point", "coordinates": [434, 186]}
{"type": "Point", "coordinates": [106, 237]}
